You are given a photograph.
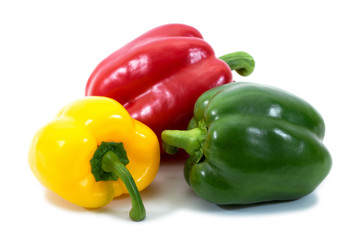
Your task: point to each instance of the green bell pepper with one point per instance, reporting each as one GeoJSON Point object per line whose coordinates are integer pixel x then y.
{"type": "Point", "coordinates": [250, 143]}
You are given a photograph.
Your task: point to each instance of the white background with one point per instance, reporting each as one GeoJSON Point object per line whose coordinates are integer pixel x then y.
{"type": "Point", "coordinates": [310, 48]}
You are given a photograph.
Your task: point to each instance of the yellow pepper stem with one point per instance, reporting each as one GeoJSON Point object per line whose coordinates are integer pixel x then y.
{"type": "Point", "coordinates": [111, 163]}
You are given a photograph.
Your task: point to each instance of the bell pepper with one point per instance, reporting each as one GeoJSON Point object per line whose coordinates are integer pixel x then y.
{"type": "Point", "coordinates": [94, 151]}
{"type": "Point", "coordinates": [159, 76]}
{"type": "Point", "coordinates": [252, 143]}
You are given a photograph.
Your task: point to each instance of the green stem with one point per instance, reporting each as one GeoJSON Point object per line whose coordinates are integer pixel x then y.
{"type": "Point", "coordinates": [112, 163]}
{"type": "Point", "coordinates": [190, 140]}
{"type": "Point", "coordinates": [241, 62]}
{"type": "Point", "coordinates": [169, 149]}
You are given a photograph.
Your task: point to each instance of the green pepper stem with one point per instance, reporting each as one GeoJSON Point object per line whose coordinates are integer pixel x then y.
{"type": "Point", "coordinates": [241, 62]}
{"type": "Point", "coordinates": [189, 140]}
{"type": "Point", "coordinates": [169, 149]}
{"type": "Point", "coordinates": [111, 163]}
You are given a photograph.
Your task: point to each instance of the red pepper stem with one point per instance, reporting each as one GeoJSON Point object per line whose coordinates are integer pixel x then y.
{"type": "Point", "coordinates": [241, 62]}
{"type": "Point", "coordinates": [189, 140]}
{"type": "Point", "coordinates": [111, 163]}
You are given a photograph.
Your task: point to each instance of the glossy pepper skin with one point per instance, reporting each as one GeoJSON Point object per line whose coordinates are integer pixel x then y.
{"type": "Point", "coordinates": [159, 76]}
{"type": "Point", "coordinates": [251, 143]}
{"type": "Point", "coordinates": [64, 154]}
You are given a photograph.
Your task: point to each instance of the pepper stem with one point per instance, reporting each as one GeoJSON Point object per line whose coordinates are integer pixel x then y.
{"type": "Point", "coordinates": [112, 163]}
{"type": "Point", "coordinates": [241, 62]}
{"type": "Point", "coordinates": [189, 140]}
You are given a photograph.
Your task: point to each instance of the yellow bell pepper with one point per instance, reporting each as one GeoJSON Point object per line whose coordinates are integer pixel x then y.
{"type": "Point", "coordinates": [81, 154]}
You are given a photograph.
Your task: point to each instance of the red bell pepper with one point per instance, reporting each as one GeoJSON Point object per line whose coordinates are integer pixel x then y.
{"type": "Point", "coordinates": [159, 76]}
